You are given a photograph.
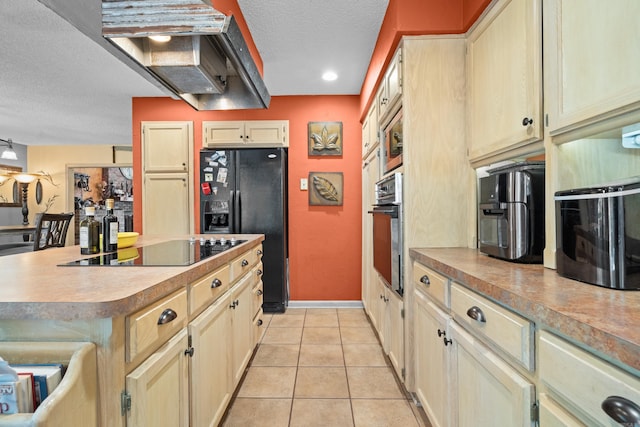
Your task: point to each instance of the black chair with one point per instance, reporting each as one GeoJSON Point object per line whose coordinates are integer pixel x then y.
{"type": "Point", "coordinates": [51, 230]}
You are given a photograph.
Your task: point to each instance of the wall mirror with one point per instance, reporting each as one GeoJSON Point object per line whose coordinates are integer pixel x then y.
{"type": "Point", "coordinates": [9, 191]}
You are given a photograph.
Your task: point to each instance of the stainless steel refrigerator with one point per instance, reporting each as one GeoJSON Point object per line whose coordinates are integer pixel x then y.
{"type": "Point", "coordinates": [245, 191]}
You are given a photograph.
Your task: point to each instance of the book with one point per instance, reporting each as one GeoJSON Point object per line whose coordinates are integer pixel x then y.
{"type": "Point", "coordinates": [46, 378]}
{"type": "Point", "coordinates": [26, 392]}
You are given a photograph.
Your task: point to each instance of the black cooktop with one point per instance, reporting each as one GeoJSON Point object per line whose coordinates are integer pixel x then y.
{"type": "Point", "coordinates": [166, 254]}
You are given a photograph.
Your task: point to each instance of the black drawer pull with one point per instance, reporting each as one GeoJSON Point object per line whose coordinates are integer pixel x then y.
{"type": "Point", "coordinates": [259, 252]}
{"type": "Point", "coordinates": [476, 314]}
{"type": "Point", "coordinates": [216, 283]}
{"type": "Point", "coordinates": [447, 341]}
{"type": "Point", "coordinates": [167, 316]}
{"type": "Point", "coordinates": [245, 263]}
{"type": "Point", "coordinates": [259, 272]}
{"type": "Point", "coordinates": [442, 333]}
{"type": "Point", "coordinates": [622, 410]}
{"type": "Point", "coordinates": [425, 280]}
{"type": "Point", "coordinates": [259, 292]}
{"type": "Point", "coordinates": [260, 322]}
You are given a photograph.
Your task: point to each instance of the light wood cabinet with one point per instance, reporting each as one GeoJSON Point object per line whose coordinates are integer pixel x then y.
{"type": "Point", "coordinates": [388, 315]}
{"type": "Point", "coordinates": [390, 90]}
{"type": "Point", "coordinates": [245, 134]}
{"type": "Point", "coordinates": [584, 385]}
{"type": "Point", "coordinates": [591, 61]}
{"type": "Point", "coordinates": [489, 391]}
{"type": "Point", "coordinates": [207, 356]}
{"type": "Point", "coordinates": [370, 130]}
{"type": "Point", "coordinates": [241, 306]}
{"type": "Point", "coordinates": [211, 336]}
{"type": "Point", "coordinates": [159, 388]}
{"type": "Point", "coordinates": [166, 204]}
{"type": "Point", "coordinates": [166, 146]}
{"type": "Point", "coordinates": [433, 360]}
{"type": "Point", "coordinates": [370, 174]}
{"type": "Point", "coordinates": [167, 156]}
{"type": "Point", "coordinates": [504, 76]}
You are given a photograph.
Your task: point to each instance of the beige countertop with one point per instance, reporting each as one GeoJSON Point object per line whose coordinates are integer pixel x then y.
{"type": "Point", "coordinates": [33, 286]}
{"type": "Point", "coordinates": [606, 320]}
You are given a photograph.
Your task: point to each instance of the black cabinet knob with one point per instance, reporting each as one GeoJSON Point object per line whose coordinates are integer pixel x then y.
{"type": "Point", "coordinates": [622, 410]}
{"type": "Point", "coordinates": [425, 280]}
{"type": "Point", "coordinates": [527, 121]}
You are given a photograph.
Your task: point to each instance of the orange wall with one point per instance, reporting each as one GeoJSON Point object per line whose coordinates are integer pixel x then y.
{"type": "Point", "coordinates": [324, 242]}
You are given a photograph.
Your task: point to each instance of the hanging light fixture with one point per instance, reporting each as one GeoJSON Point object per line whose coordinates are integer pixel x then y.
{"type": "Point", "coordinates": [8, 153]}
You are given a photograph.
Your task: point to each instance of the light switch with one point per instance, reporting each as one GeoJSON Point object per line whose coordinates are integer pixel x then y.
{"type": "Point", "coordinates": [303, 184]}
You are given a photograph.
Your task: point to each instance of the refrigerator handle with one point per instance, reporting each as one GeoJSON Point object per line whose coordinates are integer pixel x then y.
{"type": "Point", "coordinates": [237, 209]}
{"type": "Point", "coordinates": [232, 212]}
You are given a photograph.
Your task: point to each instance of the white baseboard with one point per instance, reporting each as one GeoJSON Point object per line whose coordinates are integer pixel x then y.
{"type": "Point", "coordinates": [325, 304]}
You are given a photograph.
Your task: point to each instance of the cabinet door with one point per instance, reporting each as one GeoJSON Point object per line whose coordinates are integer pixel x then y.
{"type": "Point", "coordinates": [222, 133]}
{"type": "Point", "coordinates": [504, 79]}
{"type": "Point", "coordinates": [241, 326]}
{"type": "Point", "coordinates": [211, 339]}
{"type": "Point", "coordinates": [489, 391]}
{"type": "Point", "coordinates": [159, 387]}
{"type": "Point", "coordinates": [394, 80]}
{"type": "Point", "coordinates": [394, 331]}
{"type": "Point", "coordinates": [370, 174]}
{"type": "Point", "coordinates": [378, 310]}
{"type": "Point", "coordinates": [166, 146]}
{"type": "Point", "coordinates": [267, 133]}
{"type": "Point", "coordinates": [166, 204]}
{"type": "Point", "coordinates": [591, 60]}
{"type": "Point", "coordinates": [432, 360]}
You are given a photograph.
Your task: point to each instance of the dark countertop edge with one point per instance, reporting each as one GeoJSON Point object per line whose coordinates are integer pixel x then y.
{"type": "Point", "coordinates": [604, 344]}
{"type": "Point", "coordinates": [78, 310]}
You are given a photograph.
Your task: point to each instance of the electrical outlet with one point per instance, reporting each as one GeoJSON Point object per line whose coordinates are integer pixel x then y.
{"type": "Point", "coordinates": [304, 184]}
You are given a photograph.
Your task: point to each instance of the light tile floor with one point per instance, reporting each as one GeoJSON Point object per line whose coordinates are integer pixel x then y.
{"type": "Point", "coordinates": [321, 367]}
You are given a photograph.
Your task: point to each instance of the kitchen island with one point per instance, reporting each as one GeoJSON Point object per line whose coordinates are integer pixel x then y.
{"type": "Point", "coordinates": [116, 307]}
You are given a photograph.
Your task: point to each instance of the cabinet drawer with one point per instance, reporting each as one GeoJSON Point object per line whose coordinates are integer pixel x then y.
{"type": "Point", "coordinates": [245, 262]}
{"type": "Point", "coordinates": [582, 379]}
{"type": "Point", "coordinates": [510, 332]}
{"type": "Point", "coordinates": [151, 326]}
{"type": "Point", "coordinates": [208, 288]}
{"type": "Point", "coordinates": [432, 283]}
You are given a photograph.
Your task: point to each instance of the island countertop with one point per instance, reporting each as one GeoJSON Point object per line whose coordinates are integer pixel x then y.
{"type": "Point", "coordinates": [606, 320]}
{"type": "Point", "coordinates": [34, 286]}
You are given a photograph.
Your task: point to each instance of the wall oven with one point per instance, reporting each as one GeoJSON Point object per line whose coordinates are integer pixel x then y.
{"type": "Point", "coordinates": [387, 231]}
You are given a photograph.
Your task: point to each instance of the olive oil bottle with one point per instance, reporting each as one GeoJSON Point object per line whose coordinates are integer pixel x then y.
{"type": "Point", "coordinates": [109, 229]}
{"type": "Point", "coordinates": [89, 233]}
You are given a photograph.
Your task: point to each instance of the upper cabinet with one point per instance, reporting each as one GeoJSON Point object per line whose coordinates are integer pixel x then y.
{"type": "Point", "coordinates": [166, 146]}
{"type": "Point", "coordinates": [591, 61]}
{"type": "Point", "coordinates": [390, 90]}
{"type": "Point", "coordinates": [370, 130]}
{"type": "Point", "coordinates": [504, 92]}
{"type": "Point", "coordinates": [246, 134]}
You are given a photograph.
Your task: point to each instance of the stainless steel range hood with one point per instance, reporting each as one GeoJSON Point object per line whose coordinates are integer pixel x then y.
{"type": "Point", "coordinates": [206, 62]}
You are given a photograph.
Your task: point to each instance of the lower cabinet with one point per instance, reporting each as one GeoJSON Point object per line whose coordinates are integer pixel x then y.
{"type": "Point", "coordinates": [433, 360]}
{"type": "Point", "coordinates": [463, 379]}
{"type": "Point", "coordinates": [489, 391]}
{"type": "Point", "coordinates": [190, 379]}
{"type": "Point", "coordinates": [159, 388]}
{"type": "Point", "coordinates": [211, 335]}
{"type": "Point", "coordinates": [579, 388]}
{"type": "Point", "coordinates": [387, 316]}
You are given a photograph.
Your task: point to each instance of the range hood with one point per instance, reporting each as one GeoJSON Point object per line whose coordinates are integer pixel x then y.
{"type": "Point", "coordinates": [206, 61]}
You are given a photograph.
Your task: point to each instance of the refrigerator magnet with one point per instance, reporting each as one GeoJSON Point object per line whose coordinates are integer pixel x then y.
{"type": "Point", "coordinates": [222, 175]}
{"type": "Point", "coordinates": [208, 177]}
{"type": "Point", "coordinates": [206, 188]}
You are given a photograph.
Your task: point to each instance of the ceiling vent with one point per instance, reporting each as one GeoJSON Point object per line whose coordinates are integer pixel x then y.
{"type": "Point", "coordinates": [204, 59]}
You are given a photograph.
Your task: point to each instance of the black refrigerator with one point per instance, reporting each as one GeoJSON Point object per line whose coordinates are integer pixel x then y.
{"type": "Point", "coordinates": [245, 191]}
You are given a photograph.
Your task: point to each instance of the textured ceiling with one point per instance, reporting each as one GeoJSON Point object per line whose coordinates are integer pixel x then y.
{"type": "Point", "coordinates": [58, 85]}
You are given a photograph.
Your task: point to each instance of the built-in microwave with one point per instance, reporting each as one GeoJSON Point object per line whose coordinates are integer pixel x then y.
{"type": "Point", "coordinates": [392, 147]}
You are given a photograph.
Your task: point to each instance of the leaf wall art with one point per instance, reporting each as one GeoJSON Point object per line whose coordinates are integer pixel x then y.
{"type": "Point", "coordinates": [325, 138]}
{"type": "Point", "coordinates": [326, 188]}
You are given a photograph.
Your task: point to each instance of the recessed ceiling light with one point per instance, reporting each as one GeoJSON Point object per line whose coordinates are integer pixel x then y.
{"type": "Point", "coordinates": [329, 76]}
{"type": "Point", "coordinates": [160, 39]}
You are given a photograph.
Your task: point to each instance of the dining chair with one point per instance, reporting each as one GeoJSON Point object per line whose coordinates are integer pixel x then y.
{"type": "Point", "coordinates": [51, 230]}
